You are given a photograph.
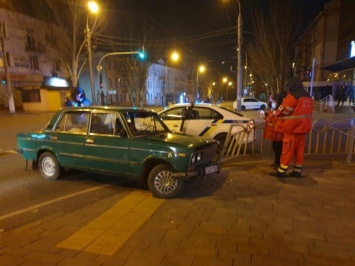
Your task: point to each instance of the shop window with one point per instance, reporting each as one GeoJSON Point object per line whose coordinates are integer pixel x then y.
{"type": "Point", "coordinates": [34, 62]}
{"type": "Point", "coordinates": [31, 96]}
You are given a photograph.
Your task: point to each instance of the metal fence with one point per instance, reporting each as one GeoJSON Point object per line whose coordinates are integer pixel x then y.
{"type": "Point", "coordinates": [334, 138]}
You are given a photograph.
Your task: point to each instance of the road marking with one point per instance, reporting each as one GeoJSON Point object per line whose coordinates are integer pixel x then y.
{"type": "Point", "coordinates": [4, 152]}
{"type": "Point", "coordinates": [108, 232]}
{"type": "Point", "coordinates": [32, 208]}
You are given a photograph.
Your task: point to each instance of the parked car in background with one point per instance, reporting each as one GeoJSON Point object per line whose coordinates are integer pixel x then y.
{"type": "Point", "coordinates": [206, 120]}
{"type": "Point", "coordinates": [122, 141]}
{"type": "Point", "coordinates": [250, 103]}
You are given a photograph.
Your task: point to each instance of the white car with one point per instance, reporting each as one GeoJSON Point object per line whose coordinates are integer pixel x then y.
{"type": "Point", "coordinates": [206, 120]}
{"type": "Point", "coordinates": [249, 103]}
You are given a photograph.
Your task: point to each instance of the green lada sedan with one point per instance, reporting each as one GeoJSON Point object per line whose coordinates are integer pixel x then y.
{"type": "Point", "coordinates": [123, 141]}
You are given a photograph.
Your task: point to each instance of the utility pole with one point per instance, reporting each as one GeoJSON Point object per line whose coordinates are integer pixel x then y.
{"type": "Point", "coordinates": [4, 62]}
{"type": "Point", "coordinates": [91, 73]}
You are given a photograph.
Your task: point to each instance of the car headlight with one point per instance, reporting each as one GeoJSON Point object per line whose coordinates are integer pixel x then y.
{"type": "Point", "coordinates": [196, 157]}
{"type": "Point", "coordinates": [251, 124]}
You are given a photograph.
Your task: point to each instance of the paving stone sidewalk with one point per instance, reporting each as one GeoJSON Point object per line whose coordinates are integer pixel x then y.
{"type": "Point", "coordinates": [242, 216]}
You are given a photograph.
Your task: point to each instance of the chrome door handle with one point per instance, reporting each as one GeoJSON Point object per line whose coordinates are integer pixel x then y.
{"type": "Point", "coordinates": [54, 138]}
{"type": "Point", "coordinates": [90, 141]}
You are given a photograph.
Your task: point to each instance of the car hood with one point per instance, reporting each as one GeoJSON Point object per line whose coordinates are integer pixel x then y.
{"type": "Point", "coordinates": [181, 140]}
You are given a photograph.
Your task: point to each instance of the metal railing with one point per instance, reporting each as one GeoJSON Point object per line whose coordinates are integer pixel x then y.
{"type": "Point", "coordinates": [324, 139]}
{"type": "Point", "coordinates": [327, 103]}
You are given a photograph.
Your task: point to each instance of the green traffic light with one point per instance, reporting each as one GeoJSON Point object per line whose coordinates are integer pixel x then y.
{"type": "Point", "coordinates": [141, 55]}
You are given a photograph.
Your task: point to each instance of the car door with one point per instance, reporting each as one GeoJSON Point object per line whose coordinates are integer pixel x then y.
{"type": "Point", "coordinates": [107, 145]}
{"type": "Point", "coordinates": [255, 104]}
{"type": "Point", "coordinates": [68, 138]}
{"type": "Point", "coordinates": [201, 121]}
{"type": "Point", "coordinates": [173, 118]}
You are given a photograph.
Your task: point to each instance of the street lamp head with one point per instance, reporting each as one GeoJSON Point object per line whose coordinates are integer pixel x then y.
{"type": "Point", "coordinates": [93, 6]}
{"type": "Point", "coordinates": [202, 69]}
{"type": "Point", "coordinates": [224, 80]}
{"type": "Point", "coordinates": [175, 56]}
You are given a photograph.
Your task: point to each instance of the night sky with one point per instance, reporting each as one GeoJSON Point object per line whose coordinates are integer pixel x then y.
{"type": "Point", "coordinates": [202, 26]}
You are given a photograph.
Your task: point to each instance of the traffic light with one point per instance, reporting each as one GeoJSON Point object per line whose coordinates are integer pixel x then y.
{"type": "Point", "coordinates": [101, 83]}
{"type": "Point", "coordinates": [3, 81]}
{"type": "Point", "coordinates": [141, 55]}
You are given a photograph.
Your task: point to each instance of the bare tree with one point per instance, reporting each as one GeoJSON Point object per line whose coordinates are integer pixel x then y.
{"type": "Point", "coordinates": [133, 69]}
{"type": "Point", "coordinates": [271, 46]}
{"type": "Point", "coordinates": [66, 37]}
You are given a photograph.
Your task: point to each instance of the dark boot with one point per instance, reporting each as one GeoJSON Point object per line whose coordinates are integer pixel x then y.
{"type": "Point", "coordinates": [295, 174]}
{"type": "Point", "coordinates": [278, 174]}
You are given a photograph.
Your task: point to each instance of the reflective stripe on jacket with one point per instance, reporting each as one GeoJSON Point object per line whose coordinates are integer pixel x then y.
{"type": "Point", "coordinates": [270, 128]}
{"type": "Point", "coordinates": [295, 113]}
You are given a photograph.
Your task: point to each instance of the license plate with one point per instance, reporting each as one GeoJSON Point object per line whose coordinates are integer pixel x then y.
{"type": "Point", "coordinates": [211, 169]}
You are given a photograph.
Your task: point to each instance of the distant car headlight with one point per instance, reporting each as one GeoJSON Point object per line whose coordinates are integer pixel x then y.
{"type": "Point", "coordinates": [251, 124]}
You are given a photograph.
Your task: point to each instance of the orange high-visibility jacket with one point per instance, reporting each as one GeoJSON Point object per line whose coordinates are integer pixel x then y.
{"type": "Point", "coordinates": [270, 128]}
{"type": "Point", "coordinates": [295, 113]}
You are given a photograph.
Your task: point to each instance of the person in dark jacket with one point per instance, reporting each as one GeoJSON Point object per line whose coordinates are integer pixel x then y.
{"type": "Point", "coordinates": [270, 132]}
{"type": "Point", "coordinates": [341, 94]}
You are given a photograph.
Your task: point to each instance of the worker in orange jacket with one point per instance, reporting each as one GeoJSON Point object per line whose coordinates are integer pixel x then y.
{"type": "Point", "coordinates": [270, 131]}
{"type": "Point", "coordinates": [295, 121]}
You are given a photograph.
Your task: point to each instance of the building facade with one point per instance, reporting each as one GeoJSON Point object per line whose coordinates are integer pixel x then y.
{"type": "Point", "coordinates": [316, 48]}
{"type": "Point", "coordinates": [162, 86]}
{"type": "Point", "coordinates": [34, 77]}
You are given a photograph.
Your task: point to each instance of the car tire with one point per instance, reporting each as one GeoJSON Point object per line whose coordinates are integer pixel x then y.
{"type": "Point", "coordinates": [49, 166]}
{"type": "Point", "coordinates": [162, 184]}
{"type": "Point", "coordinates": [243, 108]}
{"type": "Point", "coordinates": [262, 107]}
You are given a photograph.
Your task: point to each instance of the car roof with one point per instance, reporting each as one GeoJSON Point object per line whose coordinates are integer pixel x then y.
{"type": "Point", "coordinates": [190, 104]}
{"type": "Point", "coordinates": [106, 108]}
{"type": "Point", "coordinates": [224, 111]}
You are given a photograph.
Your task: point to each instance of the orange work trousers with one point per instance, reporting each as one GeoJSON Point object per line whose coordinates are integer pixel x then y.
{"type": "Point", "coordinates": [293, 147]}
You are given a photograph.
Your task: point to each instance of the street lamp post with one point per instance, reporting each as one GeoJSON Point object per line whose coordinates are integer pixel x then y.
{"type": "Point", "coordinates": [174, 57]}
{"type": "Point", "coordinates": [93, 7]}
{"type": "Point", "coordinates": [246, 70]}
{"type": "Point", "coordinates": [212, 91]}
{"type": "Point", "coordinates": [239, 55]}
{"type": "Point", "coordinates": [200, 69]}
{"type": "Point", "coordinates": [224, 80]}
{"type": "Point", "coordinates": [229, 85]}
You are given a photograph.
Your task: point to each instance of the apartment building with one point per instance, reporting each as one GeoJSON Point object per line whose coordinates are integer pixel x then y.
{"type": "Point", "coordinates": [163, 84]}
{"type": "Point", "coordinates": [344, 65]}
{"type": "Point", "coordinates": [316, 48]}
{"type": "Point", "coordinates": [38, 83]}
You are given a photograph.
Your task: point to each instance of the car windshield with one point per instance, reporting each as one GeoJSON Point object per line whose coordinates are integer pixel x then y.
{"type": "Point", "coordinates": [144, 123]}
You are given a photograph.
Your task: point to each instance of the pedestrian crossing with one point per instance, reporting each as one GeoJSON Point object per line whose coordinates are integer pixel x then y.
{"type": "Point", "coordinates": [108, 232]}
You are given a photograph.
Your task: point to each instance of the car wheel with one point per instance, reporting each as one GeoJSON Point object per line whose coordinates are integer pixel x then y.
{"type": "Point", "coordinates": [243, 108]}
{"type": "Point", "coordinates": [162, 184]}
{"type": "Point", "coordinates": [262, 107]}
{"type": "Point", "coordinates": [49, 166]}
